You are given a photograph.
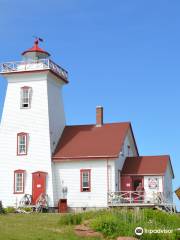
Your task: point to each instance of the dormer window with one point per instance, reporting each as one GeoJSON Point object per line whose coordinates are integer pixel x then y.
{"type": "Point", "coordinates": [22, 143]}
{"type": "Point", "coordinates": [26, 97]}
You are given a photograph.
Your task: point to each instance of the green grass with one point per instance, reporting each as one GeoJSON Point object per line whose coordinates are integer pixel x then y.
{"type": "Point", "coordinates": [35, 227]}
{"type": "Point", "coordinates": [111, 223]}
{"type": "Point", "coordinates": [123, 223]}
{"type": "Point", "coordinates": [71, 219]}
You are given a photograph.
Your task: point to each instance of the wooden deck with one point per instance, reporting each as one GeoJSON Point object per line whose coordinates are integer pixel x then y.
{"type": "Point", "coordinates": [131, 204]}
{"type": "Point", "coordinates": [132, 199]}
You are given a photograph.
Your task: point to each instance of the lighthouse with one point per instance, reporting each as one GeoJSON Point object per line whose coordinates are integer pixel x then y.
{"type": "Point", "coordinates": [33, 119]}
{"type": "Point", "coordinates": [71, 167]}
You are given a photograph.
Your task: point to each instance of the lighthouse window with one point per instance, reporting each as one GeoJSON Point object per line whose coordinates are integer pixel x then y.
{"type": "Point", "coordinates": [19, 181]}
{"type": "Point", "coordinates": [22, 144]}
{"type": "Point", "coordinates": [26, 97]}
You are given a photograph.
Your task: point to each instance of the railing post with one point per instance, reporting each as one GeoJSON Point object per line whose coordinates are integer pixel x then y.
{"type": "Point", "coordinates": [48, 63]}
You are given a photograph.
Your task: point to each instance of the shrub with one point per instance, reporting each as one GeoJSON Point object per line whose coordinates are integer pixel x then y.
{"type": "Point", "coordinates": [26, 209]}
{"type": "Point", "coordinates": [71, 219]}
{"type": "Point", "coordinates": [9, 209]}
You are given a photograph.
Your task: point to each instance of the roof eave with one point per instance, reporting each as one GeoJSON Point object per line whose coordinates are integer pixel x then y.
{"type": "Point", "coordinates": [134, 138]}
{"type": "Point", "coordinates": [112, 157]}
{"type": "Point", "coordinates": [39, 51]}
{"type": "Point", "coordinates": [173, 176]}
{"type": "Point", "coordinates": [37, 70]}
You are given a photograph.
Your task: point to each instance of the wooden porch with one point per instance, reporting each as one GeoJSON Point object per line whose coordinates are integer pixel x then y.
{"type": "Point", "coordinates": [139, 199]}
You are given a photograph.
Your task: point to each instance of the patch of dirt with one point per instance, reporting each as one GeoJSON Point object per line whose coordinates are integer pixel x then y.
{"type": "Point", "coordinates": [83, 230]}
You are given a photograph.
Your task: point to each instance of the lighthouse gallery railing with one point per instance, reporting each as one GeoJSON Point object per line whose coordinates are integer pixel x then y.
{"type": "Point", "coordinates": [40, 64]}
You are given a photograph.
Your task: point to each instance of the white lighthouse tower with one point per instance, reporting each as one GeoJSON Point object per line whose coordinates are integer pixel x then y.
{"type": "Point", "coordinates": [32, 122]}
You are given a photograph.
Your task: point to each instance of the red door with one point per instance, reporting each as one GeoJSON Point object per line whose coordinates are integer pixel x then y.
{"type": "Point", "coordinates": [38, 185]}
{"type": "Point", "coordinates": [62, 206]}
{"type": "Point", "coordinates": [136, 180]}
{"type": "Point", "coordinates": [126, 186]}
{"type": "Point", "coordinates": [126, 183]}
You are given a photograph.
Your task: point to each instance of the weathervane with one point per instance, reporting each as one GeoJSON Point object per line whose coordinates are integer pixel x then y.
{"type": "Point", "coordinates": [37, 39]}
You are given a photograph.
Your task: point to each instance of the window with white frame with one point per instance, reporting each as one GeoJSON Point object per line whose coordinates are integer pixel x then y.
{"type": "Point", "coordinates": [22, 143]}
{"type": "Point", "coordinates": [19, 181]}
{"type": "Point", "coordinates": [26, 93]}
{"type": "Point", "coordinates": [85, 180]}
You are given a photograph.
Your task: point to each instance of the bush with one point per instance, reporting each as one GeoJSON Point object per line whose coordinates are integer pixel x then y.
{"type": "Point", "coordinates": [71, 219]}
{"type": "Point", "coordinates": [9, 209]}
{"type": "Point", "coordinates": [26, 209]}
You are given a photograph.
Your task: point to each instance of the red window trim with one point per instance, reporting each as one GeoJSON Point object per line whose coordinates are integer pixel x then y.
{"type": "Point", "coordinates": [30, 92]}
{"type": "Point", "coordinates": [22, 134]}
{"type": "Point", "coordinates": [25, 87]}
{"type": "Point", "coordinates": [18, 171]}
{"type": "Point", "coordinates": [81, 179]}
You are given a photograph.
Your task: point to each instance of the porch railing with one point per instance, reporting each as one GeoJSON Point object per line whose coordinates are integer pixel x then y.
{"type": "Point", "coordinates": [135, 197]}
{"type": "Point", "coordinates": [40, 64]}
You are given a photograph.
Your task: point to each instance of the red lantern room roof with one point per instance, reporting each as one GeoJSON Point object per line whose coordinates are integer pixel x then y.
{"type": "Point", "coordinates": [36, 48]}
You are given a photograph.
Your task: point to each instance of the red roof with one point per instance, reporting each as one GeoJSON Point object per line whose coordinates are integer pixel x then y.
{"type": "Point", "coordinates": [36, 48]}
{"type": "Point", "coordinates": [89, 141]}
{"type": "Point", "coordinates": [146, 165]}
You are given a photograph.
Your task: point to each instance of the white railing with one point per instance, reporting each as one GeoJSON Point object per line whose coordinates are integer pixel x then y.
{"type": "Point", "coordinates": [25, 200]}
{"type": "Point", "coordinates": [135, 197]}
{"type": "Point", "coordinates": [42, 202]}
{"type": "Point", "coordinates": [40, 64]}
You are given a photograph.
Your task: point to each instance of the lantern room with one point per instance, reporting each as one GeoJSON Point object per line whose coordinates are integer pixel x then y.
{"type": "Point", "coordinates": [35, 53]}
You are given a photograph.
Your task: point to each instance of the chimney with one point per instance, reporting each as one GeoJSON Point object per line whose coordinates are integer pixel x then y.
{"type": "Point", "coordinates": [99, 116]}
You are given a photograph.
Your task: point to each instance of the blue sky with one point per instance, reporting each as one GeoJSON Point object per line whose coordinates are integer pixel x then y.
{"type": "Point", "coordinates": [122, 54]}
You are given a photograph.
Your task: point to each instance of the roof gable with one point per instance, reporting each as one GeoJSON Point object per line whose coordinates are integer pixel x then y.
{"type": "Point", "coordinates": [90, 141]}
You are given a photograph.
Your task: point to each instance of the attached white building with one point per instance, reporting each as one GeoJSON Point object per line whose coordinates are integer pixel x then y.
{"type": "Point", "coordinates": [39, 154]}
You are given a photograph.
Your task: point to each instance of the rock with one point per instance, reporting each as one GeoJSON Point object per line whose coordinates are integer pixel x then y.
{"type": "Point", "coordinates": [81, 228]}
{"type": "Point", "coordinates": [126, 238]}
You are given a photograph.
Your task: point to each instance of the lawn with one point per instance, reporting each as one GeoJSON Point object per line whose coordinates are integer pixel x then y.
{"type": "Point", "coordinates": [35, 226]}
{"type": "Point", "coordinates": [111, 223]}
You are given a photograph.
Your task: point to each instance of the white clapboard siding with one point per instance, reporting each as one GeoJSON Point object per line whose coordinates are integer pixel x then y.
{"type": "Point", "coordinates": [56, 111]}
{"type": "Point", "coordinates": [125, 152]}
{"type": "Point", "coordinates": [38, 122]}
{"type": "Point", "coordinates": [67, 174]}
{"type": "Point", "coordinates": [168, 189]}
